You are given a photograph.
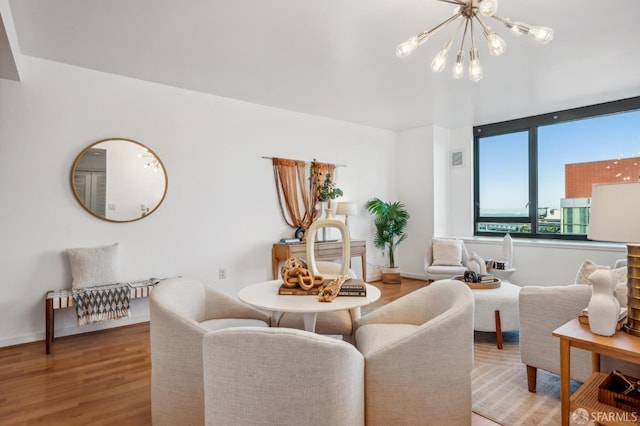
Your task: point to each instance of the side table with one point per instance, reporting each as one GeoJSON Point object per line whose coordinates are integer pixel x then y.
{"type": "Point", "coordinates": [621, 345]}
{"type": "Point", "coordinates": [329, 250]}
{"type": "Point", "coordinates": [503, 274]}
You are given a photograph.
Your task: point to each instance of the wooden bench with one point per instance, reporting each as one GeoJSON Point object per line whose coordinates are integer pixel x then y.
{"type": "Point", "coordinates": [61, 299]}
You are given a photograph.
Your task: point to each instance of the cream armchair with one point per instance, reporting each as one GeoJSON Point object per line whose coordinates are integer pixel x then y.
{"type": "Point", "coordinates": [451, 259]}
{"type": "Point", "coordinates": [182, 311]}
{"type": "Point", "coordinates": [542, 310]}
{"type": "Point", "coordinates": [275, 376]}
{"type": "Point", "coordinates": [418, 354]}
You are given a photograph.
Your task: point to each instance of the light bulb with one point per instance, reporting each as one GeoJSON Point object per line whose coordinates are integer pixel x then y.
{"type": "Point", "coordinates": [458, 68]}
{"type": "Point", "coordinates": [475, 70]}
{"type": "Point", "coordinates": [439, 61]}
{"type": "Point", "coordinates": [497, 45]}
{"type": "Point", "coordinates": [542, 35]}
{"type": "Point", "coordinates": [404, 49]}
{"type": "Point", "coordinates": [488, 7]}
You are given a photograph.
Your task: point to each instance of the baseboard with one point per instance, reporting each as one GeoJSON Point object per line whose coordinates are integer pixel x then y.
{"type": "Point", "coordinates": [422, 277]}
{"type": "Point", "coordinates": [377, 276]}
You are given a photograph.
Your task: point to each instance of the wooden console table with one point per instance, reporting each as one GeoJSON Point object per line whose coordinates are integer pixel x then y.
{"type": "Point", "coordinates": [329, 250]}
{"type": "Point", "coordinates": [574, 334]}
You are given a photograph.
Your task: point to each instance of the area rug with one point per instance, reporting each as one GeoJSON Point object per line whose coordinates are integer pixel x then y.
{"type": "Point", "coordinates": [499, 382]}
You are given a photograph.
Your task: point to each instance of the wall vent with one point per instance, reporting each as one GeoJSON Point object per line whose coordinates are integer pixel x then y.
{"type": "Point", "coordinates": [457, 158]}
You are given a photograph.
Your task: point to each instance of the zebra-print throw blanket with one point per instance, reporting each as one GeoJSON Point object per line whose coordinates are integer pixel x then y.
{"type": "Point", "coordinates": [101, 303]}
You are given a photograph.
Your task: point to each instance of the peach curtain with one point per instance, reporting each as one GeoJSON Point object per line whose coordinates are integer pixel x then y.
{"type": "Point", "coordinates": [294, 189]}
{"type": "Point", "coordinates": [297, 192]}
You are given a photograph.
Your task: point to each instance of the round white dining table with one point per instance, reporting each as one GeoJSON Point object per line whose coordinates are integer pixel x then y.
{"type": "Point", "coordinates": [265, 296]}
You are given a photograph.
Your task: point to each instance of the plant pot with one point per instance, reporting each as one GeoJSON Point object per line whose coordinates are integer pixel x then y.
{"type": "Point", "coordinates": [391, 275]}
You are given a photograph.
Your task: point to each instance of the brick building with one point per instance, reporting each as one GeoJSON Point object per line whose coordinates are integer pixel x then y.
{"type": "Point", "coordinates": [579, 177]}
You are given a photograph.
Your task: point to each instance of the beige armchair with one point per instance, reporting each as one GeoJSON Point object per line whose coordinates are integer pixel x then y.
{"type": "Point", "coordinates": [418, 357]}
{"type": "Point", "coordinates": [272, 376]}
{"type": "Point", "coordinates": [182, 311]}
{"type": "Point", "coordinates": [451, 259]}
{"type": "Point", "coordinates": [542, 310]}
{"type": "Point", "coordinates": [333, 323]}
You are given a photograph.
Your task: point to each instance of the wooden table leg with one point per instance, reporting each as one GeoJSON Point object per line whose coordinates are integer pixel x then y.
{"type": "Point", "coordinates": [595, 362]}
{"type": "Point", "coordinates": [363, 260]}
{"type": "Point", "coordinates": [48, 324]}
{"type": "Point", "coordinates": [565, 372]}
{"type": "Point", "coordinates": [532, 378]}
{"type": "Point", "coordinates": [498, 330]}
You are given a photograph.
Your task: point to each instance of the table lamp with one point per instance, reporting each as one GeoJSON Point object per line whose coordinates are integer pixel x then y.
{"type": "Point", "coordinates": [615, 216]}
{"type": "Point", "coordinates": [347, 209]}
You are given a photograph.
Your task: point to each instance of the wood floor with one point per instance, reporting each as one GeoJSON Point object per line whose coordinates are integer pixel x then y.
{"type": "Point", "coordinates": [100, 378]}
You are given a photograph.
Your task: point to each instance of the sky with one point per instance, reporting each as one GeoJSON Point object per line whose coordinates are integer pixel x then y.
{"type": "Point", "coordinates": [504, 173]}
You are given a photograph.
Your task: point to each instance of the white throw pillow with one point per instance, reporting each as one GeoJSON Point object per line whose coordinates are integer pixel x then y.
{"type": "Point", "coordinates": [589, 267]}
{"type": "Point", "coordinates": [95, 266]}
{"type": "Point", "coordinates": [446, 252]}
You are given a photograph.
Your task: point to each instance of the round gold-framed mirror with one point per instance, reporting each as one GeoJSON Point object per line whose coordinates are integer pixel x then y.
{"type": "Point", "coordinates": [119, 180]}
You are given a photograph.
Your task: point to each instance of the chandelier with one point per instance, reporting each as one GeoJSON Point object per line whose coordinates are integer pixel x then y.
{"type": "Point", "coordinates": [469, 11]}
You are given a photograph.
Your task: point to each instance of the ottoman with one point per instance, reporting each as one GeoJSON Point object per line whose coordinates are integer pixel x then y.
{"type": "Point", "coordinates": [496, 309]}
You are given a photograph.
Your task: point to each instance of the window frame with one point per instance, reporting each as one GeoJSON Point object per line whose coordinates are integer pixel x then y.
{"type": "Point", "coordinates": [531, 125]}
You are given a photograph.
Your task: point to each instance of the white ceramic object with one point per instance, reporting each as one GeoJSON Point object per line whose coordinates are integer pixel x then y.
{"type": "Point", "coordinates": [477, 264]}
{"type": "Point", "coordinates": [603, 306]}
{"type": "Point", "coordinates": [507, 249]}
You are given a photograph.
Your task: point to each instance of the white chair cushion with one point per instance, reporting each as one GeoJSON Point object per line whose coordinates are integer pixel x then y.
{"type": "Point", "coordinates": [448, 271]}
{"type": "Point", "coordinates": [446, 252]}
{"type": "Point", "coordinates": [219, 324]}
{"type": "Point", "coordinates": [334, 323]}
{"type": "Point", "coordinates": [371, 337]}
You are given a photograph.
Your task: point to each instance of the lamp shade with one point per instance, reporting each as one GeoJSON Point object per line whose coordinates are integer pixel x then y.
{"type": "Point", "coordinates": [615, 212]}
{"type": "Point", "coordinates": [347, 209]}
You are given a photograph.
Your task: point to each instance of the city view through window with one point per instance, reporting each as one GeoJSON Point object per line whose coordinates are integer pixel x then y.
{"type": "Point", "coordinates": [538, 180]}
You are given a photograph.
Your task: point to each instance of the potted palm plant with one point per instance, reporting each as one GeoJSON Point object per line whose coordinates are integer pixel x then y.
{"type": "Point", "coordinates": [390, 220]}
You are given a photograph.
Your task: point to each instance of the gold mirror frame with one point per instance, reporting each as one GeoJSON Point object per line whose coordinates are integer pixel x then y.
{"type": "Point", "coordinates": [146, 158]}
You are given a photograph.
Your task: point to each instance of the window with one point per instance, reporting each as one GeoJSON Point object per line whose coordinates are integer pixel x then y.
{"type": "Point", "coordinates": [533, 176]}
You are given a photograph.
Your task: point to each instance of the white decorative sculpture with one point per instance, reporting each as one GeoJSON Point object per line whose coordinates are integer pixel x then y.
{"type": "Point", "coordinates": [507, 250]}
{"type": "Point", "coordinates": [477, 264]}
{"type": "Point", "coordinates": [604, 307]}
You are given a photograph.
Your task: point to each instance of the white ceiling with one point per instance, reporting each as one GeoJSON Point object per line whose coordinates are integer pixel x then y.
{"type": "Point", "coordinates": [336, 58]}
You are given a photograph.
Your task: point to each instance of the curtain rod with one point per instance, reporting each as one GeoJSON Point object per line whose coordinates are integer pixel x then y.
{"type": "Point", "coordinates": [271, 158]}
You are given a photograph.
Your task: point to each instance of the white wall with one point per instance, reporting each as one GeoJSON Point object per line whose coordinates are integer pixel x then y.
{"type": "Point", "coordinates": [220, 210]}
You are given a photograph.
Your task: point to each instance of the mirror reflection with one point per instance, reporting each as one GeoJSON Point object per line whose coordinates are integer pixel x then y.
{"type": "Point", "coordinates": [119, 180]}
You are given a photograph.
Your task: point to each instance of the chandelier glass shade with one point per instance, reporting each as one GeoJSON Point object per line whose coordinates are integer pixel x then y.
{"type": "Point", "coordinates": [468, 12]}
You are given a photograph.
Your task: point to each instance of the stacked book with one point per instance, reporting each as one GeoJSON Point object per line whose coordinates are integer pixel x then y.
{"type": "Point", "coordinates": [353, 287]}
{"type": "Point", "coordinates": [298, 291]}
{"type": "Point", "coordinates": [486, 278]}
{"type": "Point", "coordinates": [622, 317]}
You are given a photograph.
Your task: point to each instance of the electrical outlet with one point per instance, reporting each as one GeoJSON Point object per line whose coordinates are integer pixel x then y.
{"type": "Point", "coordinates": [222, 273]}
